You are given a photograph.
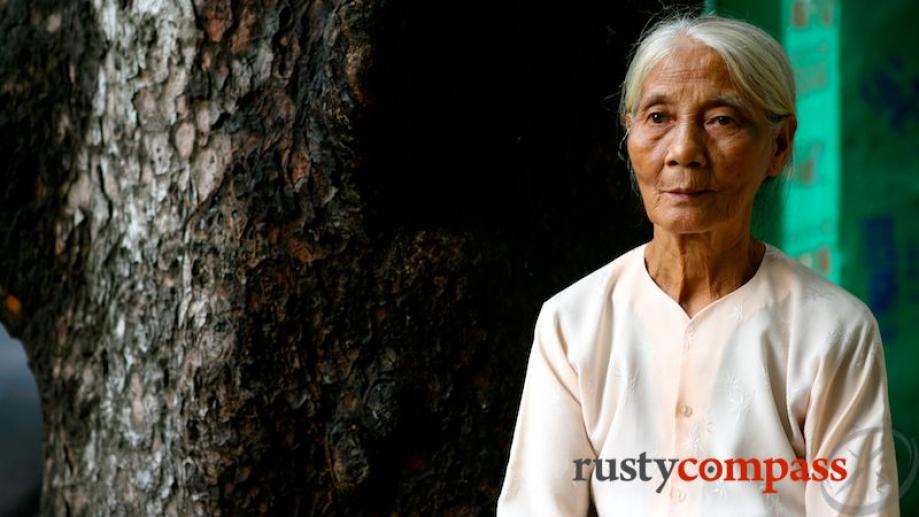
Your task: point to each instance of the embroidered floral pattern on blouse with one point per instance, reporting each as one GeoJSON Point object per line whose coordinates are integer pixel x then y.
{"type": "Point", "coordinates": [834, 338]}
{"type": "Point", "coordinates": [773, 502]}
{"type": "Point", "coordinates": [764, 377]}
{"type": "Point", "coordinates": [738, 398]}
{"type": "Point", "coordinates": [813, 291]}
{"type": "Point", "coordinates": [628, 380]}
{"type": "Point", "coordinates": [694, 439]}
{"type": "Point", "coordinates": [719, 489]}
{"type": "Point", "coordinates": [781, 326]}
{"type": "Point", "coordinates": [736, 312]}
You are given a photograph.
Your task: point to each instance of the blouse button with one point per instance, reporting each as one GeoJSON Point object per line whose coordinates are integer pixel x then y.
{"type": "Point", "coordinates": [686, 410]}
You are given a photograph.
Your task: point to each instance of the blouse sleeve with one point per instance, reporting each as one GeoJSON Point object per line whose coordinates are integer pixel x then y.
{"type": "Point", "coordinates": [849, 417]}
{"type": "Point", "coordinates": [549, 435]}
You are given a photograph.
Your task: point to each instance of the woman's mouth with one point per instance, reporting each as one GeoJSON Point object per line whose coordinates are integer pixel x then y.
{"type": "Point", "coordinates": [686, 195]}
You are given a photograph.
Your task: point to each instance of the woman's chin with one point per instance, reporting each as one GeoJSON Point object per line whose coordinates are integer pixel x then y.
{"type": "Point", "coordinates": [686, 226]}
{"type": "Point", "coordinates": [684, 223]}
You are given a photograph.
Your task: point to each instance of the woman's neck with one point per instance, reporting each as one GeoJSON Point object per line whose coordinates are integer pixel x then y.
{"type": "Point", "coordinates": [697, 269]}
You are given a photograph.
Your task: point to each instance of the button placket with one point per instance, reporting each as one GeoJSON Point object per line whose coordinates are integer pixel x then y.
{"type": "Point", "coordinates": [683, 409]}
{"type": "Point", "coordinates": [678, 494]}
{"type": "Point", "coordinates": [690, 337]}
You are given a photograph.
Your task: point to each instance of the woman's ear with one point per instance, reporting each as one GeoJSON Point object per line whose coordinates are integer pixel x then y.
{"type": "Point", "coordinates": [782, 145]}
{"type": "Point", "coordinates": [628, 122]}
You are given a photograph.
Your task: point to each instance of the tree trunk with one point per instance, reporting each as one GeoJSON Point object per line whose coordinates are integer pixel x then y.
{"type": "Point", "coordinates": [285, 257]}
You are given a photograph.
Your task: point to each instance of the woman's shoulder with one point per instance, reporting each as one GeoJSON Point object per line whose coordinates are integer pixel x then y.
{"type": "Point", "coordinates": [823, 320]}
{"type": "Point", "coordinates": [574, 311]}
{"type": "Point", "coordinates": [595, 287]}
{"type": "Point", "coordinates": [807, 291]}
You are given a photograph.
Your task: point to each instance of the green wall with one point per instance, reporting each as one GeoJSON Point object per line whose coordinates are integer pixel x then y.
{"type": "Point", "coordinates": [850, 210]}
{"type": "Point", "coordinates": [880, 191]}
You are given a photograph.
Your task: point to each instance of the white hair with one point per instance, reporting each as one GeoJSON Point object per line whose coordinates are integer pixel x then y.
{"type": "Point", "coordinates": [755, 60]}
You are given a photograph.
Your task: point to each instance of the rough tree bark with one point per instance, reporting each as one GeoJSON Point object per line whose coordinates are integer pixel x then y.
{"type": "Point", "coordinates": [283, 257]}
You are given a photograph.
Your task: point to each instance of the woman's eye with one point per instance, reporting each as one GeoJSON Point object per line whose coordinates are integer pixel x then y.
{"type": "Point", "coordinates": [723, 120]}
{"type": "Point", "coordinates": [656, 117]}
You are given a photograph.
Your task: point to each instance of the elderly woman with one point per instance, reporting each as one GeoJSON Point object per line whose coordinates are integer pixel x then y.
{"type": "Point", "coordinates": [704, 372]}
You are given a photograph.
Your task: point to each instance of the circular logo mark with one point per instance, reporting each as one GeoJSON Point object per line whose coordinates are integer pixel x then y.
{"type": "Point", "coordinates": [867, 489]}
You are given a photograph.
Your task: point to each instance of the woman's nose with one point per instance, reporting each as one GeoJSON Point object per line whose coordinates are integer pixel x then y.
{"type": "Point", "coordinates": [687, 148]}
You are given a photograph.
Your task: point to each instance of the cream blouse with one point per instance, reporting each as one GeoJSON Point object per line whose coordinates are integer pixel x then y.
{"type": "Point", "coordinates": [786, 366]}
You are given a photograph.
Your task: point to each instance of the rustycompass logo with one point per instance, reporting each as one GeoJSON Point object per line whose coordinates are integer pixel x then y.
{"type": "Point", "coordinates": [770, 470]}
{"type": "Point", "coordinates": [868, 489]}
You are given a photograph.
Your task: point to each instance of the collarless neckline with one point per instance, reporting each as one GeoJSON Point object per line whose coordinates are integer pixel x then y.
{"type": "Point", "coordinates": [768, 252]}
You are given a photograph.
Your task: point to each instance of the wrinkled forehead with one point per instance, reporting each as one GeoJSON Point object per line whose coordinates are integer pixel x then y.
{"type": "Point", "coordinates": [695, 66]}
{"type": "Point", "coordinates": [690, 60]}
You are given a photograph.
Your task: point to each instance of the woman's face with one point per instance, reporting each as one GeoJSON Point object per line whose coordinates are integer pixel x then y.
{"type": "Point", "coordinates": [699, 149]}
